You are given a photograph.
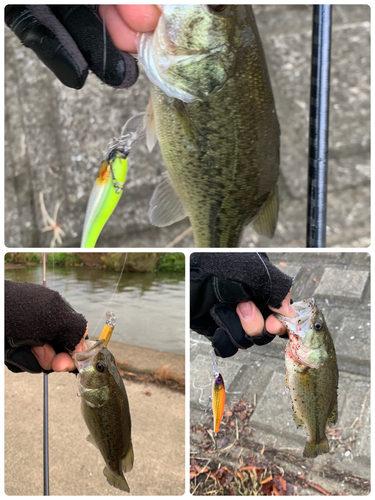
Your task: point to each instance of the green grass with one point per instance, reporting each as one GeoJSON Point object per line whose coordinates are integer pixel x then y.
{"type": "Point", "coordinates": [141, 262]}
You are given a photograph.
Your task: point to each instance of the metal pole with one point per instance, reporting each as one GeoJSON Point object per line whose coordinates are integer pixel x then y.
{"type": "Point", "coordinates": [45, 412]}
{"type": "Point", "coordinates": [319, 123]}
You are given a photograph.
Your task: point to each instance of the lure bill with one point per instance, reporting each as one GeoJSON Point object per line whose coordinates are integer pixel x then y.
{"type": "Point", "coordinates": [109, 185]}
{"type": "Point", "coordinates": [218, 396]}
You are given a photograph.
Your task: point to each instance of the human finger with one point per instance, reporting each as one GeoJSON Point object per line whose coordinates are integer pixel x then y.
{"type": "Point", "coordinates": [44, 355]}
{"type": "Point", "coordinates": [273, 325]}
{"type": "Point", "coordinates": [251, 318]}
{"type": "Point", "coordinates": [124, 21]}
{"type": "Point", "coordinates": [141, 18]}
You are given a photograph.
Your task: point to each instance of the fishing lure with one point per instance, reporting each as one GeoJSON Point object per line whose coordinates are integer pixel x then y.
{"type": "Point", "coordinates": [109, 185]}
{"type": "Point", "coordinates": [218, 397]}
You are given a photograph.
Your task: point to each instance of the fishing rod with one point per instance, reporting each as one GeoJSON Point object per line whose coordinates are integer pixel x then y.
{"type": "Point", "coordinates": [45, 413]}
{"type": "Point", "coordinates": [318, 129]}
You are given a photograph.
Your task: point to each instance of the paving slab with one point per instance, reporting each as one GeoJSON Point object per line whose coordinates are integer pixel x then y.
{"type": "Point", "coordinates": [342, 284]}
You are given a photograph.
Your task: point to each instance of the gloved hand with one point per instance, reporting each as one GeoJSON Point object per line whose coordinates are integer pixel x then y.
{"type": "Point", "coordinates": [70, 40]}
{"type": "Point", "coordinates": [219, 282]}
{"type": "Point", "coordinates": [35, 316]}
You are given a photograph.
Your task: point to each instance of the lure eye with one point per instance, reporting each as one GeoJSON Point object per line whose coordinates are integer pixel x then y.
{"type": "Point", "coordinates": [218, 8]}
{"type": "Point", "coordinates": [100, 367]}
{"type": "Point", "coordinates": [318, 326]}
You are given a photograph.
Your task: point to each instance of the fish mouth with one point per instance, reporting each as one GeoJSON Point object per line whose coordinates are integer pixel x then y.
{"type": "Point", "coordinates": [80, 357]}
{"type": "Point", "coordinates": [296, 327]}
{"type": "Point", "coordinates": [304, 311]}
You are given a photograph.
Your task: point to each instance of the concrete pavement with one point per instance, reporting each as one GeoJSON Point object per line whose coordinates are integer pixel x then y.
{"type": "Point", "coordinates": [76, 466]}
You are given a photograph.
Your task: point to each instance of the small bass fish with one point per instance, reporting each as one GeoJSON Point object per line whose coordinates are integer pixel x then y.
{"type": "Point", "coordinates": [311, 374]}
{"type": "Point", "coordinates": [213, 112]}
{"type": "Point", "coordinates": [218, 396]}
{"type": "Point", "coordinates": [105, 409]}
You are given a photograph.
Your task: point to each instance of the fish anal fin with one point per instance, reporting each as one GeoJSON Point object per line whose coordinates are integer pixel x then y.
{"type": "Point", "coordinates": [127, 462]}
{"type": "Point", "coordinates": [332, 419]}
{"type": "Point", "coordinates": [165, 206]}
{"type": "Point", "coordinates": [91, 440]}
{"type": "Point", "coordinates": [118, 482]}
{"type": "Point", "coordinates": [266, 220]}
{"type": "Point", "coordinates": [299, 422]}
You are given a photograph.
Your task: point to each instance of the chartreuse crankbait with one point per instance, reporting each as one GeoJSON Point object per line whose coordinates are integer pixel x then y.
{"type": "Point", "coordinates": [109, 185]}
{"type": "Point", "coordinates": [218, 397]}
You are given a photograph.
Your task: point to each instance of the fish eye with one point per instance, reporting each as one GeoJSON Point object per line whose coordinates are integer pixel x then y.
{"type": "Point", "coordinates": [100, 367]}
{"type": "Point", "coordinates": [318, 326]}
{"type": "Point", "coordinates": [217, 8]}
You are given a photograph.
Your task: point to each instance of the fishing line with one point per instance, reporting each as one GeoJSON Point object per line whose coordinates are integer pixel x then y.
{"type": "Point", "coordinates": [269, 295]}
{"type": "Point", "coordinates": [113, 294]}
{"type": "Point", "coordinates": [104, 46]}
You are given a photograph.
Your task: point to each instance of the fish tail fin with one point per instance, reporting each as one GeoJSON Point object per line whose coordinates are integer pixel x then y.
{"type": "Point", "coordinates": [118, 482]}
{"type": "Point", "coordinates": [265, 222]}
{"type": "Point", "coordinates": [312, 450]}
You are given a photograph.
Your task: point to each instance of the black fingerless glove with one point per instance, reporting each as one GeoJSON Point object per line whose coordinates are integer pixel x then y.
{"type": "Point", "coordinates": [70, 40]}
{"type": "Point", "coordinates": [218, 282]}
{"type": "Point", "coordinates": [34, 316]}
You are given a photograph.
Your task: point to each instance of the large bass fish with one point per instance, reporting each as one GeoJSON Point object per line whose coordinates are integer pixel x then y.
{"type": "Point", "coordinates": [105, 409]}
{"type": "Point", "coordinates": [214, 115]}
{"type": "Point", "coordinates": [311, 374]}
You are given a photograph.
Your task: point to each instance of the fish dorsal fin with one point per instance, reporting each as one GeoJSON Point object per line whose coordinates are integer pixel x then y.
{"type": "Point", "coordinates": [265, 221]}
{"type": "Point", "coordinates": [127, 463]}
{"type": "Point", "coordinates": [151, 137]}
{"type": "Point", "coordinates": [165, 206]}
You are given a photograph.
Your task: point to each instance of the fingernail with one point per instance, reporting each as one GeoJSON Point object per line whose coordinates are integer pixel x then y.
{"type": "Point", "coordinates": [246, 309]}
{"type": "Point", "coordinates": [38, 352]}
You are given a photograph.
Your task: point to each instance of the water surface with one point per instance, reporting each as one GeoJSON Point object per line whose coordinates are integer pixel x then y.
{"type": "Point", "coordinates": [149, 307]}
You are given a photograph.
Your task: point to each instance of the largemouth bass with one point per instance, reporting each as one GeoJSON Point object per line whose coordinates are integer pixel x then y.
{"type": "Point", "coordinates": [214, 115]}
{"type": "Point", "coordinates": [105, 409]}
{"type": "Point", "coordinates": [311, 374]}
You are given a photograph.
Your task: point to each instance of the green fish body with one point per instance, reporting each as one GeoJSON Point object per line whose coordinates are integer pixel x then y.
{"type": "Point", "coordinates": [105, 409]}
{"type": "Point", "coordinates": [311, 374]}
{"type": "Point", "coordinates": [215, 119]}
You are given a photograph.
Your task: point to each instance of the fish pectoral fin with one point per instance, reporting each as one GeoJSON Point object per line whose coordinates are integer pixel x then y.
{"type": "Point", "coordinates": [266, 220]}
{"type": "Point", "coordinates": [165, 206]}
{"type": "Point", "coordinates": [127, 463]}
{"type": "Point", "coordinates": [332, 419]}
{"type": "Point", "coordinates": [91, 440]}
{"type": "Point", "coordinates": [118, 482]}
{"type": "Point", "coordinates": [151, 136]}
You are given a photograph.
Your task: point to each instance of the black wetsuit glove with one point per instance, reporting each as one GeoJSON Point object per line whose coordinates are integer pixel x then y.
{"type": "Point", "coordinates": [34, 316]}
{"type": "Point", "coordinates": [69, 40]}
{"type": "Point", "coordinates": [218, 282]}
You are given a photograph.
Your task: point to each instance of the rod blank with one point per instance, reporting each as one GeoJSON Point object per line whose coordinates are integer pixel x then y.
{"type": "Point", "coordinates": [319, 123]}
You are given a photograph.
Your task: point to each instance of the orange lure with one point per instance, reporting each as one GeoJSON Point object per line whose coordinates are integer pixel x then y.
{"type": "Point", "coordinates": [218, 396]}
